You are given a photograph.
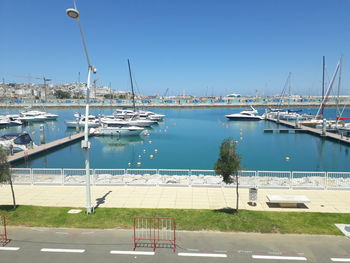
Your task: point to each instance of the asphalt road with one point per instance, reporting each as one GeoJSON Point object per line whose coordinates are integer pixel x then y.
{"type": "Point", "coordinates": [113, 245]}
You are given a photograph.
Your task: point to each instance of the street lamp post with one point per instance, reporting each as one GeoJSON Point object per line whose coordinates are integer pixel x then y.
{"type": "Point", "coordinates": [85, 144]}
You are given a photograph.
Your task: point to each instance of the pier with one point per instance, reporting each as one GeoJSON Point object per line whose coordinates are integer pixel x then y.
{"type": "Point", "coordinates": [314, 131]}
{"type": "Point", "coordinates": [284, 130]}
{"type": "Point", "coordinates": [44, 147]}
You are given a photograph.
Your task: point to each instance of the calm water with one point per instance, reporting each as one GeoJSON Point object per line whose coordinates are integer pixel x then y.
{"type": "Point", "coordinates": [190, 139]}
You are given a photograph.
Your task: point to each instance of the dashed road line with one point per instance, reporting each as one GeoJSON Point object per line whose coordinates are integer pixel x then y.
{"type": "Point", "coordinates": [9, 248]}
{"type": "Point", "coordinates": [62, 250]}
{"type": "Point", "coordinates": [340, 259]}
{"type": "Point", "coordinates": [278, 257]}
{"type": "Point", "coordinates": [202, 255]}
{"type": "Point", "coordinates": [121, 252]}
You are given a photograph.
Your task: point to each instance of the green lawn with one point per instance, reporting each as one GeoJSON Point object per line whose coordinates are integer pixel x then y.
{"type": "Point", "coordinates": [186, 219]}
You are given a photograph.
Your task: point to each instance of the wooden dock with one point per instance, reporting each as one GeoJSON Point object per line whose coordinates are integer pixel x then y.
{"type": "Point", "coordinates": [44, 147]}
{"type": "Point", "coordinates": [283, 130]}
{"type": "Point", "coordinates": [314, 131]}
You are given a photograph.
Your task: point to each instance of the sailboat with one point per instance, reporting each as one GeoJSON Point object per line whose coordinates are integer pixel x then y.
{"type": "Point", "coordinates": [122, 127]}
{"type": "Point", "coordinates": [319, 118]}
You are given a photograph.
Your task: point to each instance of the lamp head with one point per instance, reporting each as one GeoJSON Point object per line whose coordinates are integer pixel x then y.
{"type": "Point", "coordinates": [73, 13]}
{"type": "Point", "coordinates": [94, 70]}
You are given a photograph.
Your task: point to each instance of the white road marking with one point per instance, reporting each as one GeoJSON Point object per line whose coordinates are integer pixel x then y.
{"type": "Point", "coordinates": [62, 250]}
{"type": "Point", "coordinates": [202, 255]}
{"type": "Point", "coordinates": [121, 252]}
{"type": "Point", "coordinates": [340, 259]}
{"type": "Point", "coordinates": [278, 257]}
{"type": "Point", "coordinates": [9, 248]}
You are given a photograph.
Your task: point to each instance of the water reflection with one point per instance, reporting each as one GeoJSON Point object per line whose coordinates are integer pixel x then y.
{"type": "Point", "coordinates": [115, 144]}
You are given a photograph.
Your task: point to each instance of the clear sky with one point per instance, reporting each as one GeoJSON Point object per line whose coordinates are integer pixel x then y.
{"type": "Point", "coordinates": [200, 47]}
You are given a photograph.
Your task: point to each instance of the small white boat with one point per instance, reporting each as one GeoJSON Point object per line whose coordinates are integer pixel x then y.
{"type": "Point", "coordinates": [123, 114]}
{"type": "Point", "coordinates": [16, 142]}
{"type": "Point", "coordinates": [93, 122]}
{"type": "Point", "coordinates": [151, 115]}
{"type": "Point", "coordinates": [3, 122]}
{"type": "Point", "coordinates": [246, 115]}
{"type": "Point", "coordinates": [116, 130]}
{"type": "Point", "coordinates": [134, 121]}
{"type": "Point", "coordinates": [39, 115]}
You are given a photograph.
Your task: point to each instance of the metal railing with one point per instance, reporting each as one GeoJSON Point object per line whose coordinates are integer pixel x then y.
{"type": "Point", "coordinates": [183, 177]}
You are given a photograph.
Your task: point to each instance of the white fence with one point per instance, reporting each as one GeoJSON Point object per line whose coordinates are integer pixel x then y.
{"type": "Point", "coordinates": [172, 177]}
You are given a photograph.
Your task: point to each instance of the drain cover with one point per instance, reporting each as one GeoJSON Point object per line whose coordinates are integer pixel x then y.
{"type": "Point", "coordinates": [345, 229]}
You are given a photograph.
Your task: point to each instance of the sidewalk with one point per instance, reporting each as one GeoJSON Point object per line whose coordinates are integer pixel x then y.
{"type": "Point", "coordinates": [332, 201]}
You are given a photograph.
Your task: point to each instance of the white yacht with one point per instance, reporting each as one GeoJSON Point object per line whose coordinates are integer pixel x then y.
{"type": "Point", "coordinates": [151, 115]}
{"type": "Point", "coordinates": [39, 115]}
{"type": "Point", "coordinates": [93, 122]}
{"type": "Point", "coordinates": [16, 142]}
{"type": "Point", "coordinates": [114, 129]}
{"type": "Point", "coordinates": [246, 115]}
{"type": "Point", "coordinates": [133, 121]}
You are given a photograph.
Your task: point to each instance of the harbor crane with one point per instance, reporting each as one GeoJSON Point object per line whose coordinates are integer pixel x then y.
{"type": "Point", "coordinates": [166, 92]}
{"type": "Point", "coordinates": [29, 77]}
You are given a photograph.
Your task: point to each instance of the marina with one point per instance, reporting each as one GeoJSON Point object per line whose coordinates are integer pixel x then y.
{"type": "Point", "coordinates": [188, 138]}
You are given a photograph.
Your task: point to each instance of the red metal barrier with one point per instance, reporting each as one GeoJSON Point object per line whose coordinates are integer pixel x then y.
{"type": "Point", "coordinates": [3, 234]}
{"type": "Point", "coordinates": [154, 232]}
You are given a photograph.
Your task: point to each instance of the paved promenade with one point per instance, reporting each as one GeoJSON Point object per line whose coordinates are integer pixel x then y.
{"type": "Point", "coordinates": [336, 201]}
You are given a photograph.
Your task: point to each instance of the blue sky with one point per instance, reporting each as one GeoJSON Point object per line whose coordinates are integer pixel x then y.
{"type": "Point", "coordinates": [206, 47]}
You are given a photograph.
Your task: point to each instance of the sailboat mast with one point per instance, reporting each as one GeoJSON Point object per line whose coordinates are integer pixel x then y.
{"type": "Point", "coordinates": [339, 84]}
{"type": "Point", "coordinates": [132, 87]}
{"type": "Point", "coordinates": [323, 68]}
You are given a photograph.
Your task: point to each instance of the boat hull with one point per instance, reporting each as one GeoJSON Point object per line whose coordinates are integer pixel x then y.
{"type": "Point", "coordinates": [241, 118]}
{"type": "Point", "coordinates": [122, 131]}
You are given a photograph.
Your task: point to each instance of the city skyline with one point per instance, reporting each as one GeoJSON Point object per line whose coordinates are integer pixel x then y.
{"type": "Point", "coordinates": [197, 48]}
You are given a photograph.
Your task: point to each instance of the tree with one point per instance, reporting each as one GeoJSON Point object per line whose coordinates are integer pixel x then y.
{"type": "Point", "coordinates": [61, 94]}
{"type": "Point", "coordinates": [229, 164]}
{"type": "Point", "coordinates": [5, 173]}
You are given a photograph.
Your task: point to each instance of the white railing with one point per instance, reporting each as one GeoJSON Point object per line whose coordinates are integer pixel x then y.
{"type": "Point", "coordinates": [182, 177]}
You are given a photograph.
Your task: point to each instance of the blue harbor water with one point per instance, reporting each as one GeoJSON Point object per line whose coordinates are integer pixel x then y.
{"type": "Point", "coordinates": [190, 139]}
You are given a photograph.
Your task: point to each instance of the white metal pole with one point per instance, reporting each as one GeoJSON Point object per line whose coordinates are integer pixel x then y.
{"type": "Point", "coordinates": [86, 146]}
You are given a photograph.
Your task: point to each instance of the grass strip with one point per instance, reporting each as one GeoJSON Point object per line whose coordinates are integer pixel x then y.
{"type": "Point", "coordinates": [186, 219]}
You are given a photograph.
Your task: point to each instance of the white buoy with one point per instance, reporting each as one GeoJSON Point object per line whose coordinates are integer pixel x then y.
{"type": "Point", "coordinates": [241, 138]}
{"type": "Point", "coordinates": [287, 158]}
{"type": "Point", "coordinates": [155, 150]}
{"type": "Point", "coordinates": [138, 163]}
{"type": "Point", "coordinates": [149, 142]}
{"type": "Point", "coordinates": [151, 156]}
{"type": "Point", "coordinates": [144, 150]}
{"type": "Point", "coordinates": [139, 156]}
{"type": "Point", "coordinates": [129, 164]}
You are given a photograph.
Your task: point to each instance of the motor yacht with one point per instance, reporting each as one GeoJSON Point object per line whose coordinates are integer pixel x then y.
{"type": "Point", "coordinates": [93, 122]}
{"type": "Point", "coordinates": [16, 142]}
{"type": "Point", "coordinates": [246, 115]}
{"type": "Point", "coordinates": [114, 129]}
